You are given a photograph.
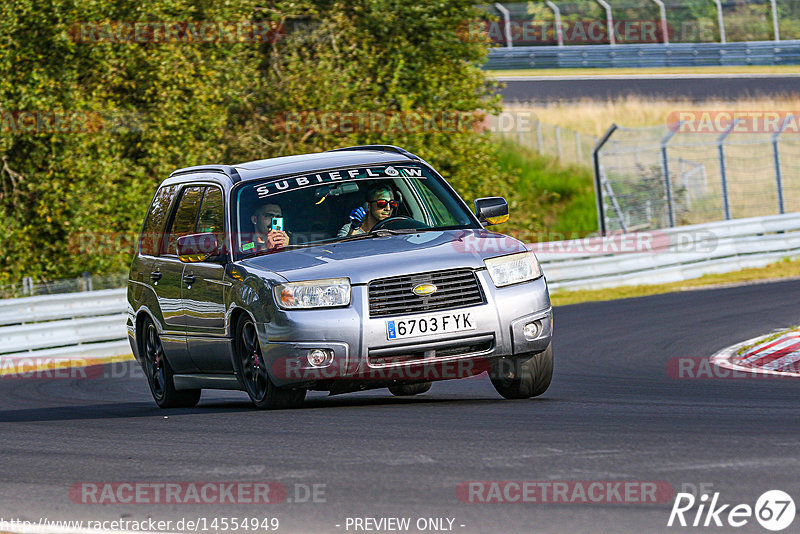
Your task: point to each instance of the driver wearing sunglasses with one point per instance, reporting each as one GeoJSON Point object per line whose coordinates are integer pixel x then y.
{"type": "Point", "coordinates": [379, 206]}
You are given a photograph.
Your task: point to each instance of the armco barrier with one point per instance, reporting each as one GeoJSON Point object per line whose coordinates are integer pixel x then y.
{"type": "Point", "coordinates": [89, 324]}
{"type": "Point", "coordinates": [645, 55]}
{"type": "Point", "coordinates": [92, 323]}
{"type": "Point", "coordinates": [676, 254]}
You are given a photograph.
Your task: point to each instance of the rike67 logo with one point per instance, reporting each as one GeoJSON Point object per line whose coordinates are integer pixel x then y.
{"type": "Point", "coordinates": [774, 510]}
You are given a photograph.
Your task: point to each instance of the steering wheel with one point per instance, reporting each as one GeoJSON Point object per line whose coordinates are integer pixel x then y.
{"type": "Point", "coordinates": [381, 224]}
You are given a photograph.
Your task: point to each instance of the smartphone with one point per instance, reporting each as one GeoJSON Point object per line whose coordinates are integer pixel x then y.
{"type": "Point", "coordinates": [277, 224]}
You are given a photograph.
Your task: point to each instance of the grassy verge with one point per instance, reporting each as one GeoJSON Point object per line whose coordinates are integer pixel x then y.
{"type": "Point", "coordinates": [595, 116]}
{"type": "Point", "coordinates": [743, 69]}
{"type": "Point", "coordinates": [550, 201]}
{"type": "Point", "coordinates": [775, 271]}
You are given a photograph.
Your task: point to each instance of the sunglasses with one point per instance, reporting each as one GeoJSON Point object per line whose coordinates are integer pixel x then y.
{"type": "Point", "coordinates": [382, 203]}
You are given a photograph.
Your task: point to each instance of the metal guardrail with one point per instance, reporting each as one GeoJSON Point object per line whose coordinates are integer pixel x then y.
{"type": "Point", "coordinates": [646, 55]}
{"type": "Point", "coordinates": [84, 324]}
{"type": "Point", "coordinates": [670, 255]}
{"type": "Point", "coordinates": [92, 324]}
{"type": "Point", "coordinates": [62, 306]}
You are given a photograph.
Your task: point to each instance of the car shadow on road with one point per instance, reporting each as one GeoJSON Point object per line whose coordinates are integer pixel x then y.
{"type": "Point", "coordinates": [124, 410]}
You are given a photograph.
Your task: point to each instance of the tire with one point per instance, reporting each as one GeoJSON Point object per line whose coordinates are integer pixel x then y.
{"type": "Point", "coordinates": [252, 375]}
{"type": "Point", "coordinates": [407, 390]}
{"type": "Point", "coordinates": [159, 374]}
{"type": "Point", "coordinates": [523, 377]}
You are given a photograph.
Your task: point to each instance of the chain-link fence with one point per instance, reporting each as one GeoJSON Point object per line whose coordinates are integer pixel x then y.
{"type": "Point", "coordinates": [661, 177]}
{"type": "Point", "coordinates": [568, 146]}
{"type": "Point", "coordinates": [28, 287]}
{"type": "Point", "coordinates": [583, 22]}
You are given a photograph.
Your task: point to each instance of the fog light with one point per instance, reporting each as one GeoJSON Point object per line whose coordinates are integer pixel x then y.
{"type": "Point", "coordinates": [531, 330]}
{"type": "Point", "coordinates": [319, 357]}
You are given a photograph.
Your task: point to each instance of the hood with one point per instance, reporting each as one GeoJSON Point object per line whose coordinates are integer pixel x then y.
{"type": "Point", "coordinates": [378, 257]}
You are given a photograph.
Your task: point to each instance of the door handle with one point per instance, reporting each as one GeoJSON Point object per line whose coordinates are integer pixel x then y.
{"type": "Point", "coordinates": [155, 276]}
{"type": "Point", "coordinates": [189, 279]}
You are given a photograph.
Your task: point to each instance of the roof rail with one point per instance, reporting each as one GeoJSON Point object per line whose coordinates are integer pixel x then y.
{"type": "Point", "coordinates": [227, 170]}
{"type": "Point", "coordinates": [385, 148]}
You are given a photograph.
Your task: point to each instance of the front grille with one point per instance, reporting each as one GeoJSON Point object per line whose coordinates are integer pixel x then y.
{"type": "Point", "coordinates": [394, 296]}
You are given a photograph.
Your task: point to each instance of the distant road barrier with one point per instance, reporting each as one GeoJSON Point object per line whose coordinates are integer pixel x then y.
{"type": "Point", "coordinates": [646, 55]}
{"type": "Point", "coordinates": [92, 323]}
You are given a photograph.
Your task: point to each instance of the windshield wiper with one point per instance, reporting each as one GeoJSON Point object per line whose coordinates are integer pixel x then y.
{"type": "Point", "coordinates": [381, 232]}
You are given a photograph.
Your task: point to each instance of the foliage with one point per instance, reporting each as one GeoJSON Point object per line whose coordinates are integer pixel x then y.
{"type": "Point", "coordinates": [549, 202]}
{"type": "Point", "coordinates": [143, 109]}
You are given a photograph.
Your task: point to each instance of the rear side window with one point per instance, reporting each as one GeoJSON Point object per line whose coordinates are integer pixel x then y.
{"type": "Point", "coordinates": [153, 229]}
{"type": "Point", "coordinates": [185, 217]}
{"type": "Point", "coordinates": [211, 213]}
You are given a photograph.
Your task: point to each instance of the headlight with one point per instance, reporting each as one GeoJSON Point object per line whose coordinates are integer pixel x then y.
{"type": "Point", "coordinates": [513, 269]}
{"type": "Point", "coordinates": [313, 294]}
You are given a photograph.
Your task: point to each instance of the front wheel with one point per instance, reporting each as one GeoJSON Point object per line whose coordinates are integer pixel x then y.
{"type": "Point", "coordinates": [253, 375]}
{"type": "Point", "coordinates": [522, 377]}
{"type": "Point", "coordinates": [159, 373]}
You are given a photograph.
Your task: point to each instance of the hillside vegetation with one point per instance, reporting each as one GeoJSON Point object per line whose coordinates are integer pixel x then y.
{"type": "Point", "coordinates": [93, 118]}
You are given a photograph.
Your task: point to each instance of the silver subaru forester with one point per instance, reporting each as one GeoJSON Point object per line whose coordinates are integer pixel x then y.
{"type": "Point", "coordinates": [352, 269]}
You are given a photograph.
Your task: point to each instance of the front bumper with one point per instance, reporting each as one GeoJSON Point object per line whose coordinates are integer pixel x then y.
{"type": "Point", "coordinates": [361, 351]}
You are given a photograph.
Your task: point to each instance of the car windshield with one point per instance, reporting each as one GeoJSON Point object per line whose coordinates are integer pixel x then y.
{"type": "Point", "coordinates": [318, 208]}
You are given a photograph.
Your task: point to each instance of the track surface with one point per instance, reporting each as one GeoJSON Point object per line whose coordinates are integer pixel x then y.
{"type": "Point", "coordinates": [692, 87]}
{"type": "Point", "coordinates": [611, 413]}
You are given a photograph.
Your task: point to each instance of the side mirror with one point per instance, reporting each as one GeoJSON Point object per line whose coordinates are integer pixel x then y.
{"type": "Point", "coordinates": [195, 248]}
{"type": "Point", "coordinates": [491, 210]}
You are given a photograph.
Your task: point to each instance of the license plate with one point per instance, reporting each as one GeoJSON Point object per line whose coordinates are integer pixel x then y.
{"type": "Point", "coordinates": [424, 325]}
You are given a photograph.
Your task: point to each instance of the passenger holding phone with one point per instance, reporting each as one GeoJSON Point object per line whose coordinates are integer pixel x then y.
{"type": "Point", "coordinates": [379, 206]}
{"type": "Point", "coordinates": [268, 224]}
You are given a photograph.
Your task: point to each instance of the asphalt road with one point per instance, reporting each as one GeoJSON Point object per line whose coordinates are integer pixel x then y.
{"type": "Point", "coordinates": [675, 86]}
{"type": "Point", "coordinates": [612, 413]}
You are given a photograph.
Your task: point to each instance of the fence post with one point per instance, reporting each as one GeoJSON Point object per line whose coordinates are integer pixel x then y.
{"type": "Point", "coordinates": [557, 13]}
{"type": "Point", "coordinates": [775, 31]}
{"type": "Point", "coordinates": [598, 185]}
{"type": "Point", "coordinates": [558, 142]}
{"type": "Point", "coordinates": [720, 21]}
{"type": "Point", "coordinates": [664, 28]}
{"type": "Point", "coordinates": [507, 25]}
{"type": "Point", "coordinates": [612, 39]}
{"type": "Point", "coordinates": [723, 176]}
{"type": "Point", "coordinates": [578, 150]}
{"type": "Point", "coordinates": [27, 285]}
{"type": "Point", "coordinates": [87, 279]}
{"type": "Point", "coordinates": [665, 169]}
{"type": "Point", "coordinates": [777, 159]}
{"type": "Point", "coordinates": [539, 139]}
